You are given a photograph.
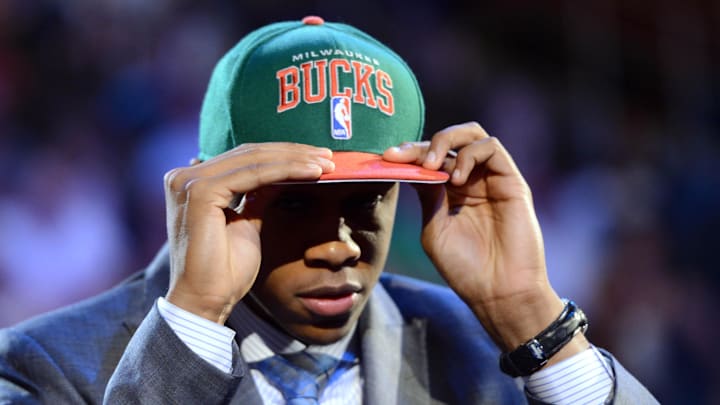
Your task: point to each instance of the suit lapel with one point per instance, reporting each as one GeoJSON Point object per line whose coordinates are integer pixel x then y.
{"type": "Point", "coordinates": [157, 279]}
{"type": "Point", "coordinates": [247, 392]}
{"type": "Point", "coordinates": [393, 354]}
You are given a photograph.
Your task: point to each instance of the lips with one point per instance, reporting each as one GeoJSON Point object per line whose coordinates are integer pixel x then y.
{"type": "Point", "coordinates": [330, 301]}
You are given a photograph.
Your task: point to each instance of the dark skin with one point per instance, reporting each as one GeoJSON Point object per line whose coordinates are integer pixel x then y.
{"type": "Point", "coordinates": [335, 238]}
{"type": "Point", "coordinates": [479, 230]}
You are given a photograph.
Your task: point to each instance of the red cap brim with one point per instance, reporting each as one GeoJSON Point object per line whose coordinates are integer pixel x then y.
{"type": "Point", "coordinates": [361, 166]}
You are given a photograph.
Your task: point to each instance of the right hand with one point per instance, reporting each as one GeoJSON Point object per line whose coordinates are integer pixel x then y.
{"type": "Point", "coordinates": [214, 252]}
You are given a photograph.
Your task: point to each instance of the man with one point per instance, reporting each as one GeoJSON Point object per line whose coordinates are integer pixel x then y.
{"type": "Point", "coordinates": [278, 235]}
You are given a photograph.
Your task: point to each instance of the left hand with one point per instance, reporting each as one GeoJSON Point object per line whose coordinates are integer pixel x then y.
{"type": "Point", "coordinates": [481, 232]}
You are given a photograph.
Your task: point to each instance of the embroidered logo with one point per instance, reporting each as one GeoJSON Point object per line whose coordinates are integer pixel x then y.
{"type": "Point", "coordinates": [315, 81]}
{"type": "Point", "coordinates": [341, 117]}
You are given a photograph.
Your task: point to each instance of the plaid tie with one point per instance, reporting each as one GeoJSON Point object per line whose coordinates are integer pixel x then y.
{"type": "Point", "coordinates": [300, 377]}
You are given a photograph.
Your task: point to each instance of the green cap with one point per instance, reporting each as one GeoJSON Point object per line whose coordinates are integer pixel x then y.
{"type": "Point", "coordinates": [322, 84]}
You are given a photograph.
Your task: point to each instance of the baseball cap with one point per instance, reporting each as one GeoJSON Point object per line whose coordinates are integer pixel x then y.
{"type": "Point", "coordinates": [317, 83]}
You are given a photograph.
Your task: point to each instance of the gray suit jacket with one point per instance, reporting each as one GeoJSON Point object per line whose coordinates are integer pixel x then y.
{"type": "Point", "coordinates": [420, 345]}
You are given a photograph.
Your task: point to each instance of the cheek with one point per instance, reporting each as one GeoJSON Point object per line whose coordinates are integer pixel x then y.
{"type": "Point", "coordinates": [282, 242]}
{"type": "Point", "coordinates": [375, 244]}
{"type": "Point", "coordinates": [276, 288]}
{"type": "Point", "coordinates": [386, 221]}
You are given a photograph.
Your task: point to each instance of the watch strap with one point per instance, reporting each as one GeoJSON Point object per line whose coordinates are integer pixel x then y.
{"type": "Point", "coordinates": [535, 353]}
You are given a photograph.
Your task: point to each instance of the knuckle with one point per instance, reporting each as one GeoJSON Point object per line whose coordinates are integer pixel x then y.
{"type": "Point", "coordinates": [473, 125]}
{"type": "Point", "coordinates": [195, 186]}
{"type": "Point", "coordinates": [257, 172]}
{"type": "Point", "coordinates": [443, 139]}
{"type": "Point", "coordinates": [255, 169]}
{"type": "Point", "coordinates": [497, 145]}
{"type": "Point", "coordinates": [525, 191]}
{"type": "Point", "coordinates": [492, 141]}
{"type": "Point", "coordinates": [244, 149]}
{"type": "Point", "coordinates": [528, 191]}
{"type": "Point", "coordinates": [174, 179]}
{"type": "Point", "coordinates": [477, 131]}
{"type": "Point", "coordinates": [250, 148]}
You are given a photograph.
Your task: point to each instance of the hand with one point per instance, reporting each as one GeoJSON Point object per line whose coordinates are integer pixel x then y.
{"type": "Point", "coordinates": [481, 232]}
{"type": "Point", "coordinates": [214, 251]}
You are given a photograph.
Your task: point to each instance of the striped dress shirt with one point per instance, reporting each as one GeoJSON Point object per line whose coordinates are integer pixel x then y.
{"type": "Point", "coordinates": [584, 378]}
{"type": "Point", "coordinates": [258, 341]}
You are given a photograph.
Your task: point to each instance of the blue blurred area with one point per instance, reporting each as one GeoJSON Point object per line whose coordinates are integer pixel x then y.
{"type": "Point", "coordinates": [611, 110]}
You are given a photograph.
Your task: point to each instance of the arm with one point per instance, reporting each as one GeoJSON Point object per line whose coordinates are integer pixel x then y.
{"type": "Point", "coordinates": [481, 233]}
{"type": "Point", "coordinates": [157, 367]}
{"type": "Point", "coordinates": [214, 260]}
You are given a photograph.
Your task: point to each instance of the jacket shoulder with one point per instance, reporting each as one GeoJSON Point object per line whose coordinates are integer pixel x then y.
{"type": "Point", "coordinates": [440, 308]}
{"type": "Point", "coordinates": [424, 300]}
{"type": "Point", "coordinates": [461, 356]}
{"type": "Point", "coordinates": [70, 353]}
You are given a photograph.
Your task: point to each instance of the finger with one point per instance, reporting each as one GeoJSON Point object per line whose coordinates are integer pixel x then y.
{"type": "Point", "coordinates": [449, 139]}
{"type": "Point", "coordinates": [260, 152]}
{"type": "Point", "coordinates": [415, 153]}
{"type": "Point", "coordinates": [251, 159]}
{"type": "Point", "coordinates": [407, 152]}
{"type": "Point", "coordinates": [220, 190]}
{"type": "Point", "coordinates": [488, 153]}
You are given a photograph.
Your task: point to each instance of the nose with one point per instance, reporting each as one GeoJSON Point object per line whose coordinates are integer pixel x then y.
{"type": "Point", "coordinates": [335, 253]}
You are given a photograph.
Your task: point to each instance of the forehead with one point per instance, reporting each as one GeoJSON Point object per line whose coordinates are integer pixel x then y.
{"type": "Point", "coordinates": [329, 191]}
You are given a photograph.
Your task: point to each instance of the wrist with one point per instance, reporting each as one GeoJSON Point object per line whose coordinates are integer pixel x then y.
{"type": "Point", "coordinates": [577, 344]}
{"type": "Point", "coordinates": [214, 309]}
{"type": "Point", "coordinates": [556, 339]}
{"type": "Point", "coordinates": [513, 321]}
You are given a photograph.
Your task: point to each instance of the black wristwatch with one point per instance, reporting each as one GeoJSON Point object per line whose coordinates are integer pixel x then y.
{"type": "Point", "coordinates": [535, 353]}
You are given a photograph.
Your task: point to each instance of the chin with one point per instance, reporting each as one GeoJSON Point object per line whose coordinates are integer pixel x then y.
{"type": "Point", "coordinates": [324, 333]}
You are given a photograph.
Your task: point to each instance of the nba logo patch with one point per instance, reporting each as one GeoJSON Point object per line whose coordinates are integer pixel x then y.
{"type": "Point", "coordinates": [341, 117]}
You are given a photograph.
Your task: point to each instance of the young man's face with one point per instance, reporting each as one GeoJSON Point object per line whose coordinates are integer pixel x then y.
{"type": "Point", "coordinates": [323, 249]}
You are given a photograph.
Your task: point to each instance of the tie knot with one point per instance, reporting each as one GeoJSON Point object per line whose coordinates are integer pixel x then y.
{"type": "Point", "coordinates": [300, 377]}
{"type": "Point", "coordinates": [314, 363]}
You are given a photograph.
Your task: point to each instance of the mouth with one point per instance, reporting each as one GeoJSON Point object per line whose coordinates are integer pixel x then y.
{"type": "Point", "coordinates": [330, 301]}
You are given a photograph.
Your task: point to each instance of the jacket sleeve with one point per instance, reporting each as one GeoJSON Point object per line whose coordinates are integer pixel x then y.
{"type": "Point", "coordinates": [157, 367]}
{"type": "Point", "coordinates": [626, 391]}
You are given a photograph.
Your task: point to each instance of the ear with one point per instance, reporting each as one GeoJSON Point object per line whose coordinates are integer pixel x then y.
{"type": "Point", "coordinates": [195, 161]}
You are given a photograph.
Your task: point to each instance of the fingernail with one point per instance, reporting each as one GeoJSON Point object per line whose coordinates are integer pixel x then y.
{"type": "Point", "coordinates": [456, 174]}
{"type": "Point", "coordinates": [395, 149]}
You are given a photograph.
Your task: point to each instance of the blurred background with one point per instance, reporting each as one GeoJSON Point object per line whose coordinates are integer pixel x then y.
{"type": "Point", "coordinates": [611, 109]}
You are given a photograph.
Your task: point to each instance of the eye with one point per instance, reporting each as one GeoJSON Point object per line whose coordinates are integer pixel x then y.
{"type": "Point", "coordinates": [364, 202]}
{"type": "Point", "coordinates": [293, 203]}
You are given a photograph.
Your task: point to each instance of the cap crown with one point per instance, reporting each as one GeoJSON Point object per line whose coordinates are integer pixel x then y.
{"type": "Point", "coordinates": [326, 84]}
